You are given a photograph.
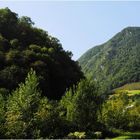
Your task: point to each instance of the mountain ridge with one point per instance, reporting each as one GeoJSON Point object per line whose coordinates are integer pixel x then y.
{"type": "Point", "coordinates": [115, 62]}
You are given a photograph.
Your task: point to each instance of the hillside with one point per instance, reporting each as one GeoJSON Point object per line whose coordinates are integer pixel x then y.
{"type": "Point", "coordinates": [130, 86]}
{"type": "Point", "coordinates": [132, 89]}
{"type": "Point", "coordinates": [115, 62]}
{"type": "Point", "coordinates": [24, 46]}
{"type": "Point", "coordinates": [44, 94]}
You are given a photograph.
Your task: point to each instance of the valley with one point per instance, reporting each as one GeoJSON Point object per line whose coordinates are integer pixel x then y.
{"type": "Point", "coordinates": [45, 94]}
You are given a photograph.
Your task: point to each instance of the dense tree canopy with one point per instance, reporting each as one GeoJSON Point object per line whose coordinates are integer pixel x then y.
{"type": "Point", "coordinates": [121, 111]}
{"type": "Point", "coordinates": [23, 46]}
{"type": "Point", "coordinates": [81, 113]}
{"type": "Point", "coordinates": [81, 104]}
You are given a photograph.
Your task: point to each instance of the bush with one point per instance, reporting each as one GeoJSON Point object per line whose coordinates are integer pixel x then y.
{"type": "Point", "coordinates": [77, 135]}
{"type": "Point", "coordinates": [98, 134]}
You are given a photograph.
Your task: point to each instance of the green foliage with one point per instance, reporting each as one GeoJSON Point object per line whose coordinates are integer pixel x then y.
{"type": "Point", "coordinates": [48, 121]}
{"type": "Point", "coordinates": [81, 104]}
{"type": "Point", "coordinates": [121, 112]}
{"type": "Point", "coordinates": [22, 105]}
{"type": "Point", "coordinates": [79, 114]}
{"type": "Point", "coordinates": [14, 43]}
{"type": "Point", "coordinates": [4, 44]}
{"type": "Point", "coordinates": [98, 134]}
{"type": "Point", "coordinates": [51, 51]}
{"type": "Point", "coordinates": [134, 118]}
{"type": "Point", "coordinates": [83, 111]}
{"type": "Point", "coordinates": [13, 57]}
{"type": "Point", "coordinates": [77, 135]}
{"type": "Point", "coordinates": [25, 46]}
{"type": "Point", "coordinates": [24, 114]}
{"type": "Point", "coordinates": [8, 23]}
{"type": "Point", "coordinates": [84, 135]}
{"type": "Point", "coordinates": [10, 76]}
{"type": "Point", "coordinates": [114, 114]}
{"type": "Point", "coordinates": [35, 48]}
{"type": "Point", "coordinates": [4, 92]}
{"type": "Point", "coordinates": [115, 62]}
{"type": "Point", "coordinates": [26, 21]}
{"type": "Point", "coordinates": [128, 135]}
{"type": "Point", "coordinates": [2, 113]}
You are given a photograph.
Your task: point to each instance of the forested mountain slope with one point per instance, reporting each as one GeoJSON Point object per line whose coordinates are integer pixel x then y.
{"type": "Point", "coordinates": [115, 62]}
{"type": "Point", "coordinates": [23, 46]}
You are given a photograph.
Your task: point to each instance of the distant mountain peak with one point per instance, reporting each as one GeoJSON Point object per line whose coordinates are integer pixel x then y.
{"type": "Point", "coordinates": [115, 62]}
{"type": "Point", "coordinates": [130, 30]}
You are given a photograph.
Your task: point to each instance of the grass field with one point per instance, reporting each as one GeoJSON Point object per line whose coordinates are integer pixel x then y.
{"type": "Point", "coordinates": [129, 92]}
{"type": "Point", "coordinates": [128, 135]}
{"type": "Point", "coordinates": [133, 92]}
{"type": "Point", "coordinates": [131, 89]}
{"type": "Point", "coordinates": [130, 86]}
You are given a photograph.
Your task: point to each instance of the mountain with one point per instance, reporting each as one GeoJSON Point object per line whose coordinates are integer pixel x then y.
{"type": "Point", "coordinates": [23, 46]}
{"type": "Point", "coordinates": [115, 62]}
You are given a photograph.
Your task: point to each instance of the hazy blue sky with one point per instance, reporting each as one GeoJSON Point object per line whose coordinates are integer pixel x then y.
{"type": "Point", "coordinates": [79, 25]}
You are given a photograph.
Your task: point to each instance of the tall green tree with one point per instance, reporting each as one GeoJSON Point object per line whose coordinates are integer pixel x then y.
{"type": "Point", "coordinates": [81, 105]}
{"type": "Point", "coordinates": [21, 106]}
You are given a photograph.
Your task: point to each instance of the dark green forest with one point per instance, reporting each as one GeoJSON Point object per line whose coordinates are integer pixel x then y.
{"type": "Point", "coordinates": [23, 46]}
{"type": "Point", "coordinates": [45, 95]}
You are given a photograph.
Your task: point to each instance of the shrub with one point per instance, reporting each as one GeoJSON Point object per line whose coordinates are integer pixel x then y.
{"type": "Point", "coordinates": [77, 135]}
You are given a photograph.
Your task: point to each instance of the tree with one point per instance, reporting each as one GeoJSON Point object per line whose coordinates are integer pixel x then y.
{"type": "Point", "coordinates": [22, 105]}
{"type": "Point", "coordinates": [8, 23]}
{"type": "Point", "coordinates": [49, 123]}
{"type": "Point", "coordinates": [26, 21]}
{"type": "Point", "coordinates": [11, 76]}
{"type": "Point", "coordinates": [26, 47]}
{"type": "Point", "coordinates": [14, 43]}
{"type": "Point", "coordinates": [4, 44]}
{"type": "Point", "coordinates": [114, 111]}
{"type": "Point", "coordinates": [81, 105]}
{"type": "Point", "coordinates": [2, 113]}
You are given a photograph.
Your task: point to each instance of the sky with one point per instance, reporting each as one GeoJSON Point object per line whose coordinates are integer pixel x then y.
{"type": "Point", "coordinates": [79, 25]}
